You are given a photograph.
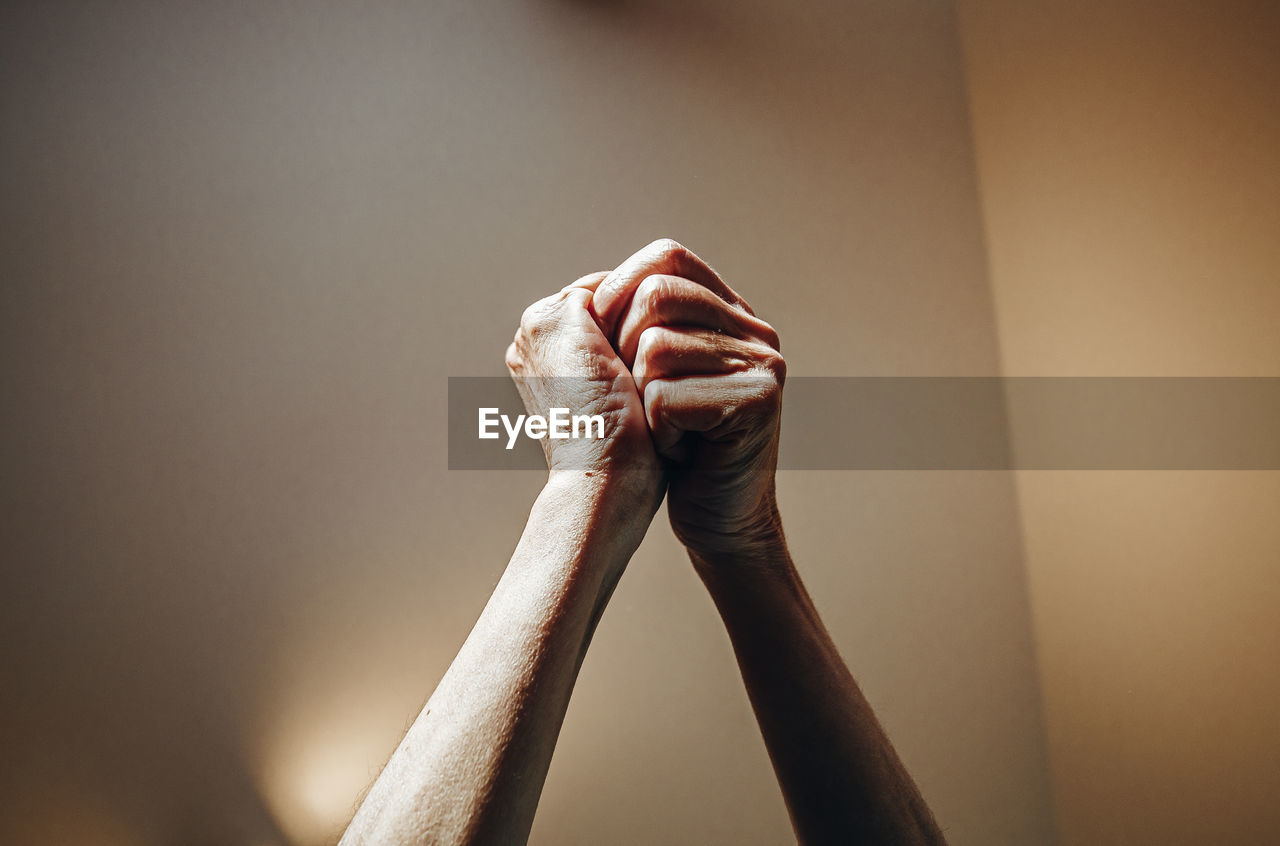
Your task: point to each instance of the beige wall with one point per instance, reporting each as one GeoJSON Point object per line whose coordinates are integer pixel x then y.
{"type": "Point", "coordinates": [1130, 179]}
{"type": "Point", "coordinates": [244, 244]}
{"type": "Point", "coordinates": [243, 247]}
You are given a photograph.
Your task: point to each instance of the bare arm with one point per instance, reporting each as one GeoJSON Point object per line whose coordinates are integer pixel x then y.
{"type": "Point", "coordinates": [711, 375]}
{"type": "Point", "coordinates": [472, 766]}
{"type": "Point", "coordinates": [842, 781]}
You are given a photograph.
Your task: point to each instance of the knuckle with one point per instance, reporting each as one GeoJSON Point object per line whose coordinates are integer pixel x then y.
{"type": "Point", "coordinates": [777, 365]}
{"type": "Point", "coordinates": [669, 248]}
{"type": "Point", "coordinates": [770, 373]}
{"type": "Point", "coordinates": [652, 342]}
{"type": "Point", "coordinates": [650, 291]}
{"type": "Point", "coordinates": [529, 318]}
{"type": "Point", "coordinates": [769, 361]}
{"type": "Point", "coordinates": [655, 399]}
{"type": "Point", "coordinates": [572, 306]}
{"type": "Point", "coordinates": [770, 336]}
{"type": "Point", "coordinates": [539, 316]}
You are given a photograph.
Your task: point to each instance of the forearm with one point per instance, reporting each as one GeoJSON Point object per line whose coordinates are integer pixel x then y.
{"type": "Point", "coordinates": [471, 767]}
{"type": "Point", "coordinates": [842, 781]}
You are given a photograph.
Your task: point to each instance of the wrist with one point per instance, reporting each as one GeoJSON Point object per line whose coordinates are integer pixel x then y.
{"type": "Point", "coordinates": [738, 522]}
{"type": "Point", "coordinates": [758, 548]}
{"type": "Point", "coordinates": [740, 586]}
{"type": "Point", "coordinates": [614, 508]}
{"type": "Point", "coordinates": [576, 543]}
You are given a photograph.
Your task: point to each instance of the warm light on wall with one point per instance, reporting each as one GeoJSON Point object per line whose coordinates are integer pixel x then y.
{"type": "Point", "coordinates": [322, 752]}
{"type": "Point", "coordinates": [332, 717]}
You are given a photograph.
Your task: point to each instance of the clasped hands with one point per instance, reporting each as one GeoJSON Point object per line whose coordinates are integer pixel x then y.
{"type": "Point", "coordinates": [690, 383]}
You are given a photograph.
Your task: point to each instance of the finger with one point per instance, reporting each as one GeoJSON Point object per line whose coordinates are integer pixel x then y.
{"type": "Point", "coordinates": [576, 308]}
{"type": "Point", "coordinates": [664, 352]}
{"type": "Point", "coordinates": [569, 308]}
{"type": "Point", "coordinates": [662, 256]}
{"type": "Point", "coordinates": [672, 301]}
{"type": "Point", "coordinates": [703, 404]}
{"type": "Point", "coordinates": [590, 282]}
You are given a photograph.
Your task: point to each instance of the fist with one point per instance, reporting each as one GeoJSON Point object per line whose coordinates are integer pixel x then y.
{"type": "Point", "coordinates": [560, 358]}
{"type": "Point", "coordinates": [711, 375]}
